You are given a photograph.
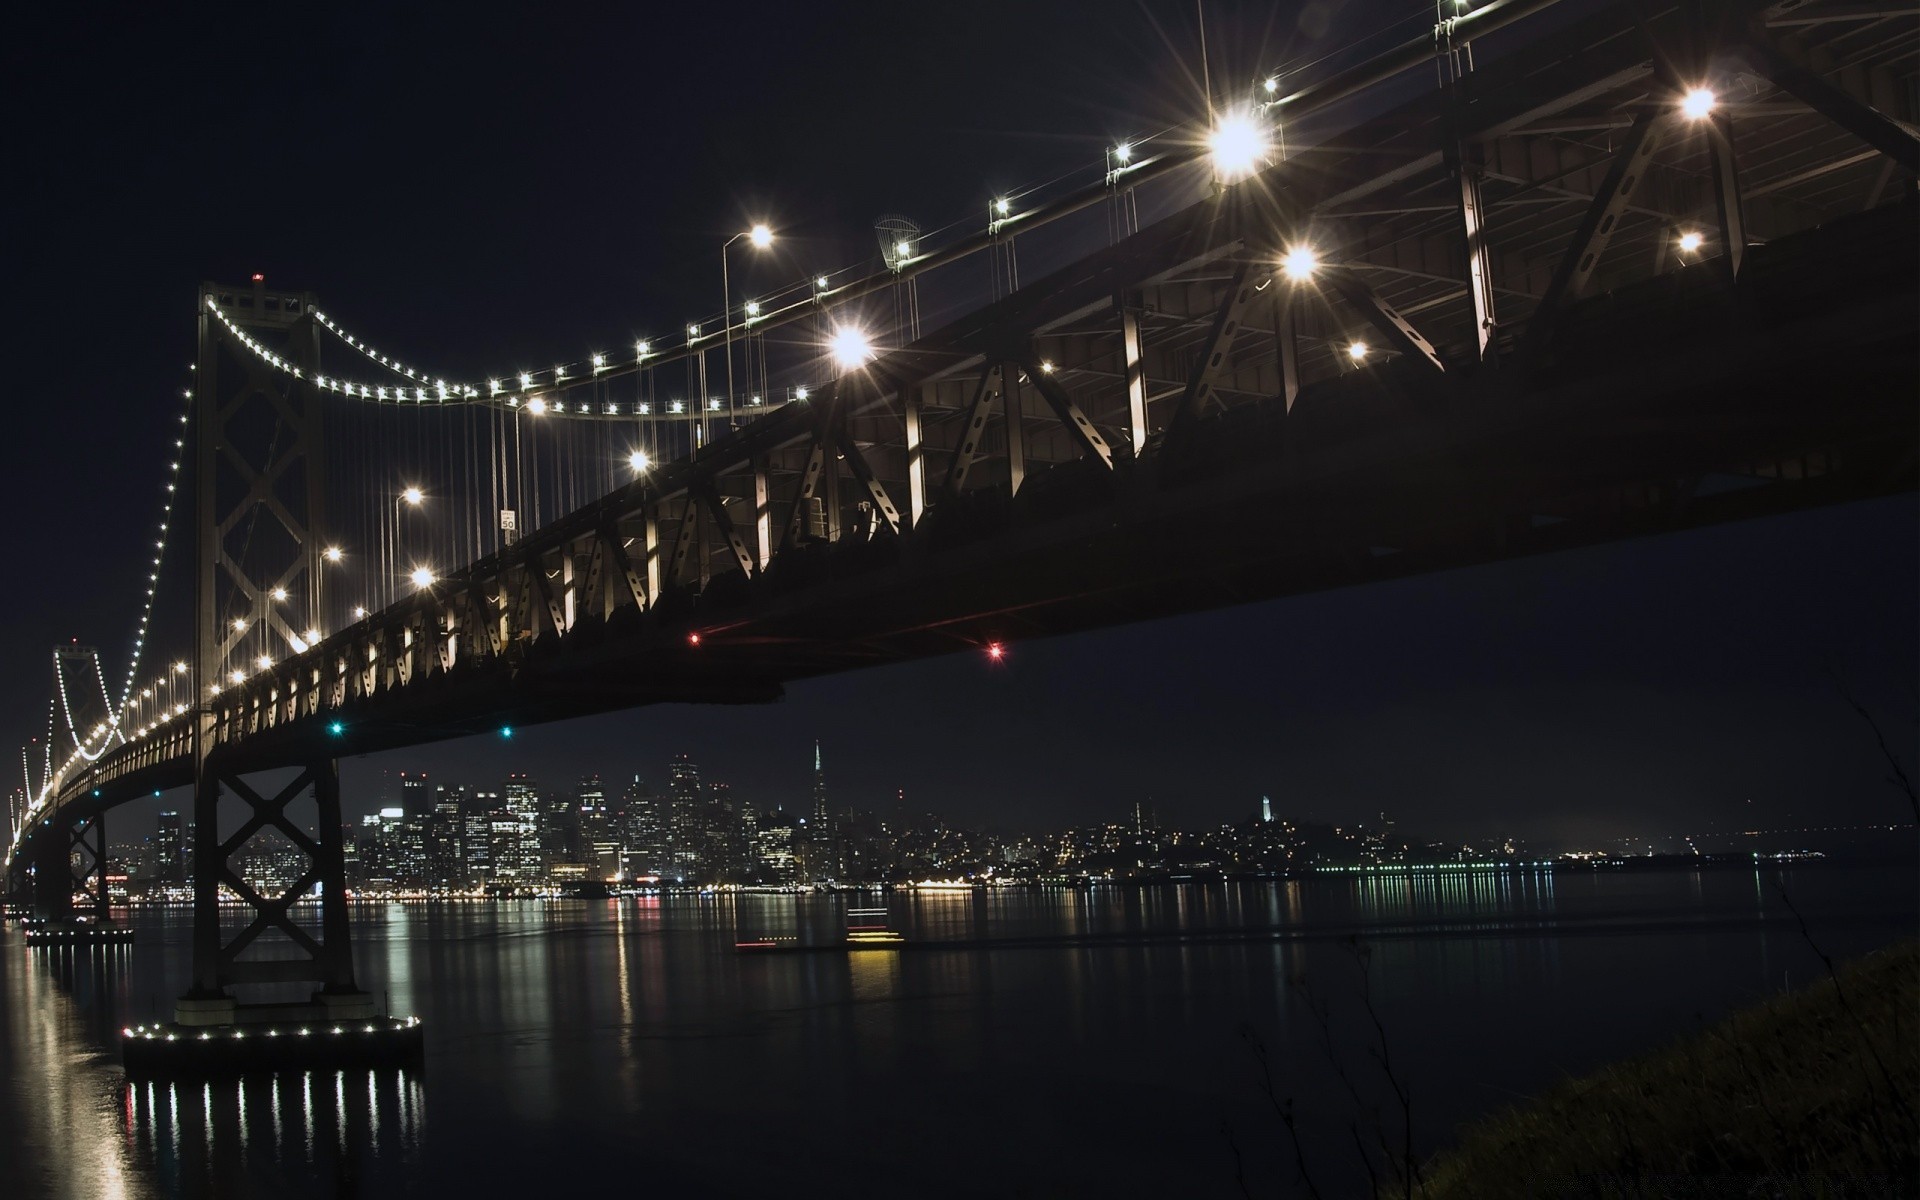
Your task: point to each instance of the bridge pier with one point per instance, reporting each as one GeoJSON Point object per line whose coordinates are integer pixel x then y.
{"type": "Point", "coordinates": [73, 863]}
{"type": "Point", "coordinates": [214, 1030]}
{"type": "Point", "coordinates": [218, 962]}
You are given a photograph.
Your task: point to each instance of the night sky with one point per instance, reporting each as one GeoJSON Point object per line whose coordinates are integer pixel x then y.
{"type": "Point", "coordinates": [456, 181]}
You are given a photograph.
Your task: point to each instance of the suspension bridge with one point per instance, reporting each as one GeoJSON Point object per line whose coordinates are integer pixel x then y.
{"type": "Point", "coordinates": [1532, 280]}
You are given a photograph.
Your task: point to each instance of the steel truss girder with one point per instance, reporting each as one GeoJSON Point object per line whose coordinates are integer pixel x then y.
{"type": "Point", "coordinates": [1885, 134]}
{"type": "Point", "coordinates": [883, 504]}
{"type": "Point", "coordinates": [716, 508]}
{"type": "Point", "coordinates": [1384, 317]}
{"type": "Point", "coordinates": [1079, 428]}
{"type": "Point", "coordinates": [973, 428]}
{"type": "Point", "coordinates": [1204, 379]}
{"type": "Point", "coordinates": [1610, 203]}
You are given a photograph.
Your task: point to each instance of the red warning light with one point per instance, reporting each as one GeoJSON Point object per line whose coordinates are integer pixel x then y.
{"type": "Point", "coordinates": [259, 278]}
{"type": "Point", "coordinates": [693, 639]}
{"type": "Point", "coordinates": [996, 651]}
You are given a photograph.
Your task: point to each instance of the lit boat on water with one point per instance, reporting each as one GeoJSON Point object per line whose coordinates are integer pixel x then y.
{"type": "Point", "coordinates": [863, 933]}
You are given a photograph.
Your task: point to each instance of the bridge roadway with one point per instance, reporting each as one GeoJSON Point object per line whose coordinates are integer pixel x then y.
{"type": "Point", "coordinates": [1195, 435]}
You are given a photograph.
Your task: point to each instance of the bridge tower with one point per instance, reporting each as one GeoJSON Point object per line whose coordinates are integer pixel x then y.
{"type": "Point", "coordinates": [259, 513]}
{"type": "Point", "coordinates": [69, 860]}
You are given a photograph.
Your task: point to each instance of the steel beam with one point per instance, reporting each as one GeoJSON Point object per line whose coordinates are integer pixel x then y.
{"type": "Point", "coordinates": [1015, 421]}
{"type": "Point", "coordinates": [1726, 194]}
{"type": "Point", "coordinates": [1286, 345]}
{"type": "Point", "coordinates": [1079, 428]}
{"type": "Point", "coordinates": [883, 505]}
{"type": "Point", "coordinates": [973, 430]}
{"type": "Point", "coordinates": [762, 515]}
{"type": "Point", "coordinates": [1134, 356]}
{"type": "Point", "coordinates": [1473, 227]}
{"type": "Point", "coordinates": [1394, 326]}
{"type": "Point", "coordinates": [716, 508]}
{"type": "Point", "coordinates": [1204, 379]}
{"type": "Point", "coordinates": [1891, 137]}
{"type": "Point", "coordinates": [803, 490]}
{"type": "Point", "coordinates": [1610, 202]}
{"type": "Point", "coordinates": [911, 401]}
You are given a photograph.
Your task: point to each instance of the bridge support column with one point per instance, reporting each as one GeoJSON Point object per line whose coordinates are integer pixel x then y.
{"type": "Point", "coordinates": [218, 962]}
{"type": "Point", "coordinates": [88, 862]}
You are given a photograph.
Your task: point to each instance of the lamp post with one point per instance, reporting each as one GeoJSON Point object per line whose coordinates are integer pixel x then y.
{"type": "Point", "coordinates": [411, 496]}
{"type": "Point", "coordinates": [761, 236]}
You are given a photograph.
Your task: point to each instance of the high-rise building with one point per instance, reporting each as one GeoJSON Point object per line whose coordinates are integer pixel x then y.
{"type": "Point", "coordinates": [1266, 810]}
{"type": "Point", "coordinates": [645, 830]}
{"type": "Point", "coordinates": [1143, 818]}
{"type": "Point", "coordinates": [595, 816]}
{"type": "Point", "coordinates": [822, 861]}
{"type": "Point", "coordinates": [559, 831]}
{"type": "Point", "coordinates": [170, 859]}
{"type": "Point", "coordinates": [519, 859]}
{"type": "Point", "coordinates": [774, 848]}
{"type": "Point", "coordinates": [478, 812]}
{"type": "Point", "coordinates": [686, 812]}
{"type": "Point", "coordinates": [446, 833]}
{"type": "Point", "coordinates": [414, 796]}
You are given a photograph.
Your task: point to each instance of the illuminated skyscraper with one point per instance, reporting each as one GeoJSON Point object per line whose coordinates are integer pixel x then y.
{"type": "Point", "coordinates": [822, 862]}
{"type": "Point", "coordinates": [646, 821]}
{"type": "Point", "coordinates": [519, 858]}
{"type": "Point", "coordinates": [686, 817]}
{"type": "Point", "coordinates": [170, 849]}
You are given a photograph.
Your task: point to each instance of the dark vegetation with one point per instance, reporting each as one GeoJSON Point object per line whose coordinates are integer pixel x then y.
{"type": "Point", "coordinates": [1810, 1094]}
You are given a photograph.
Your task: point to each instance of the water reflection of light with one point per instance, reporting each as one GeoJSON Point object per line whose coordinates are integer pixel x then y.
{"type": "Point", "coordinates": [626, 987]}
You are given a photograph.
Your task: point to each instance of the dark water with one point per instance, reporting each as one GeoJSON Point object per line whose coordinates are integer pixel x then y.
{"type": "Point", "coordinates": [625, 1046]}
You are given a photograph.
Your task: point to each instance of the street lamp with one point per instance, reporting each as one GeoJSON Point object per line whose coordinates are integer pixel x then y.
{"type": "Point", "coordinates": [411, 496]}
{"type": "Point", "coordinates": [850, 347]}
{"type": "Point", "coordinates": [760, 237]}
